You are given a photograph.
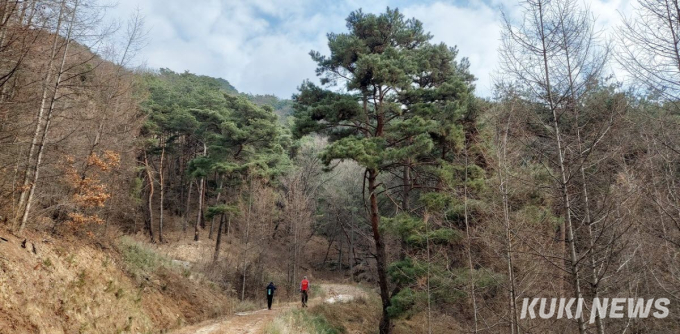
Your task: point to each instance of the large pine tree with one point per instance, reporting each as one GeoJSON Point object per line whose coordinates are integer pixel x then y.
{"type": "Point", "coordinates": [390, 100]}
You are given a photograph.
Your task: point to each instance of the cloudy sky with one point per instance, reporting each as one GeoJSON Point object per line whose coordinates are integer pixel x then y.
{"type": "Point", "coordinates": [262, 46]}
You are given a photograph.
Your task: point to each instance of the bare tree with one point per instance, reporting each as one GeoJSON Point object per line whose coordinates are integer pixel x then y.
{"type": "Point", "coordinates": [300, 190]}
{"type": "Point", "coordinates": [26, 186]}
{"type": "Point", "coordinates": [553, 56]}
{"type": "Point", "coordinates": [42, 130]}
{"type": "Point", "coordinates": [650, 46]}
{"type": "Point", "coordinates": [557, 60]}
{"type": "Point", "coordinates": [501, 140]}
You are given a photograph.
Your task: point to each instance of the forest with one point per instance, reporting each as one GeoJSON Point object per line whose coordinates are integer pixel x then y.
{"type": "Point", "coordinates": [144, 200]}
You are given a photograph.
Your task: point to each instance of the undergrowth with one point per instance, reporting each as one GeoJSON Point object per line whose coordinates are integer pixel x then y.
{"type": "Point", "coordinates": [246, 306]}
{"type": "Point", "coordinates": [301, 321]}
{"type": "Point", "coordinates": [359, 316]}
{"type": "Point", "coordinates": [140, 260]}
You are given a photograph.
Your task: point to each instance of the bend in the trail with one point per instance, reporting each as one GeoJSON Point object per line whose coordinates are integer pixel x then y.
{"type": "Point", "coordinates": [253, 322]}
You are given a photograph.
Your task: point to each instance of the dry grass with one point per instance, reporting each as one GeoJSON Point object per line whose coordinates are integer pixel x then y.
{"type": "Point", "coordinates": [247, 306]}
{"type": "Point", "coordinates": [88, 286]}
{"type": "Point", "coordinates": [301, 322]}
{"type": "Point", "coordinates": [359, 316]}
{"type": "Point", "coordinates": [418, 323]}
{"type": "Point", "coordinates": [64, 288]}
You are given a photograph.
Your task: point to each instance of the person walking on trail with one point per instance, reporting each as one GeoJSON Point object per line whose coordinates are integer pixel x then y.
{"type": "Point", "coordinates": [304, 288]}
{"type": "Point", "coordinates": [270, 294]}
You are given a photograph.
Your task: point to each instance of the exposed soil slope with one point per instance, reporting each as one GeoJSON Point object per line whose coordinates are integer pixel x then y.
{"type": "Point", "coordinates": [89, 286]}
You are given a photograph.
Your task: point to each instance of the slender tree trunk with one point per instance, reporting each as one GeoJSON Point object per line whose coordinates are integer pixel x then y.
{"type": "Point", "coordinates": [591, 240]}
{"type": "Point", "coordinates": [203, 202]}
{"type": "Point", "coordinates": [212, 221]}
{"type": "Point", "coordinates": [566, 205]}
{"type": "Point", "coordinates": [182, 182]}
{"type": "Point", "coordinates": [149, 175]}
{"type": "Point", "coordinates": [296, 231]}
{"type": "Point", "coordinates": [588, 221]}
{"type": "Point", "coordinates": [469, 243]}
{"type": "Point", "coordinates": [405, 202]}
{"type": "Point", "coordinates": [328, 250]}
{"type": "Point", "coordinates": [201, 196]}
{"type": "Point", "coordinates": [340, 254]}
{"type": "Point", "coordinates": [351, 243]}
{"type": "Point", "coordinates": [426, 220]}
{"type": "Point", "coordinates": [381, 257]}
{"type": "Point", "coordinates": [351, 256]}
{"type": "Point", "coordinates": [228, 224]}
{"type": "Point", "coordinates": [48, 120]}
{"type": "Point", "coordinates": [162, 186]}
{"type": "Point", "coordinates": [558, 140]}
{"type": "Point", "coordinates": [186, 212]}
{"type": "Point", "coordinates": [21, 207]}
{"type": "Point", "coordinates": [218, 239]}
{"type": "Point", "coordinates": [567, 225]}
{"type": "Point", "coordinates": [247, 236]}
{"type": "Point", "coordinates": [502, 176]}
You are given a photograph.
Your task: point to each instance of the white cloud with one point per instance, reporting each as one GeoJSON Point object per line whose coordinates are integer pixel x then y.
{"type": "Point", "coordinates": [262, 46]}
{"type": "Point", "coordinates": [474, 29]}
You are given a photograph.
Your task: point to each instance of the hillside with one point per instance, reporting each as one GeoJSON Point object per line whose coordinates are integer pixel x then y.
{"type": "Point", "coordinates": [282, 107]}
{"type": "Point", "coordinates": [102, 286]}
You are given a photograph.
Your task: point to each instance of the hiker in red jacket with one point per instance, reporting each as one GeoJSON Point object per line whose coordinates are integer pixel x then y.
{"type": "Point", "coordinates": [304, 288]}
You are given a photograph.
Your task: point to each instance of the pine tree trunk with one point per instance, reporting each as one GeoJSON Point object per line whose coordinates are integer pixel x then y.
{"type": "Point", "coordinates": [426, 219]}
{"type": "Point", "coordinates": [219, 238]}
{"type": "Point", "coordinates": [351, 245]}
{"type": "Point", "coordinates": [405, 204]}
{"type": "Point", "coordinates": [212, 221]}
{"type": "Point", "coordinates": [162, 186]}
{"type": "Point", "coordinates": [247, 236]}
{"type": "Point", "coordinates": [149, 175]}
{"type": "Point", "coordinates": [186, 212]}
{"type": "Point", "coordinates": [182, 182]}
{"type": "Point", "coordinates": [228, 225]}
{"type": "Point", "coordinates": [340, 254]}
{"type": "Point", "coordinates": [203, 203]}
{"type": "Point", "coordinates": [201, 196]}
{"type": "Point", "coordinates": [295, 245]}
{"type": "Point", "coordinates": [381, 257]}
{"type": "Point", "coordinates": [200, 208]}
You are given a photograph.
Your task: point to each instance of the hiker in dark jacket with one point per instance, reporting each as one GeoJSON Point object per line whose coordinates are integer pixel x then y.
{"type": "Point", "coordinates": [270, 294]}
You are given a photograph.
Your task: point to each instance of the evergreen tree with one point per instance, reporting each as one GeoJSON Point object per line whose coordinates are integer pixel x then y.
{"type": "Point", "coordinates": [397, 100]}
{"type": "Point", "coordinates": [211, 132]}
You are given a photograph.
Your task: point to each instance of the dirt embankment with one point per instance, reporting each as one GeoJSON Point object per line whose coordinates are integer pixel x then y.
{"type": "Point", "coordinates": [95, 286]}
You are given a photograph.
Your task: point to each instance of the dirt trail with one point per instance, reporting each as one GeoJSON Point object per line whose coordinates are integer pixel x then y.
{"type": "Point", "coordinates": [253, 322]}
